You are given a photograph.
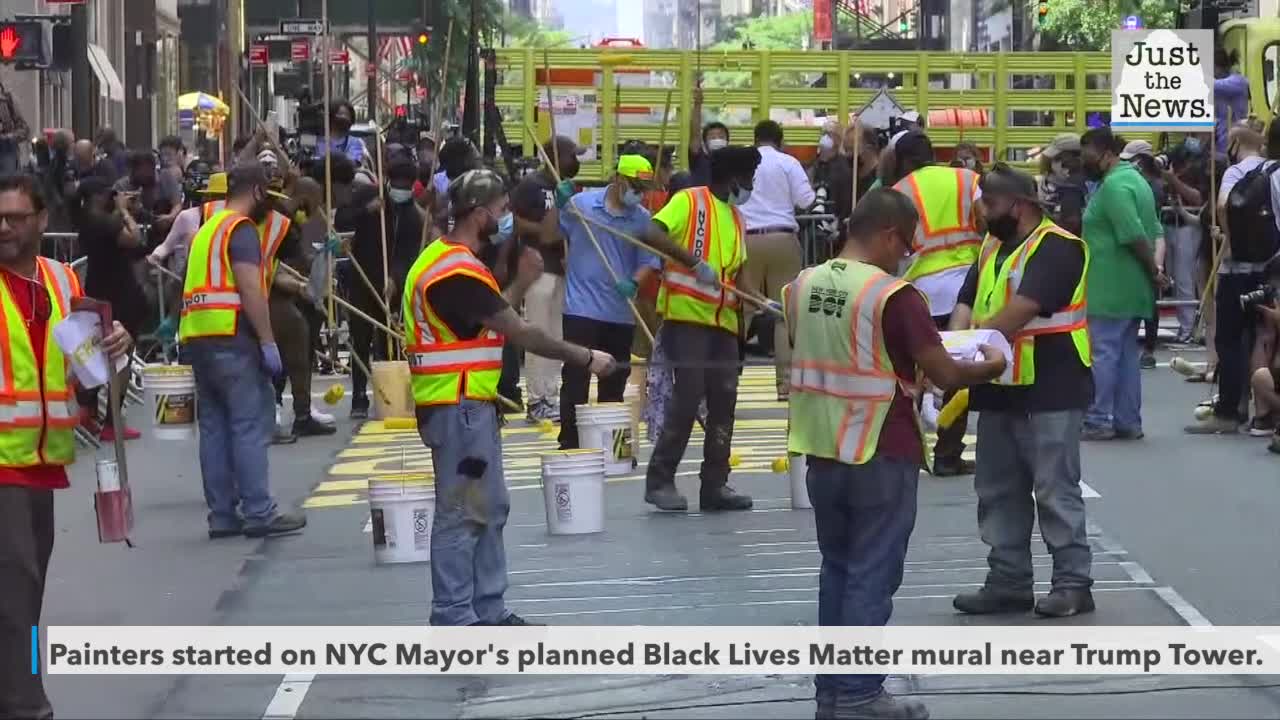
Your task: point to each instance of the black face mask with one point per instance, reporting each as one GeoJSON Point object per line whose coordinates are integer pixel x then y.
{"type": "Point", "coordinates": [1003, 228]}
{"type": "Point", "coordinates": [1093, 172]}
{"type": "Point", "coordinates": [340, 124]}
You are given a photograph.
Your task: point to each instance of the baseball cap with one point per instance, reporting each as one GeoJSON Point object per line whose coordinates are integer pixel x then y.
{"type": "Point", "coordinates": [248, 176]}
{"type": "Point", "coordinates": [1065, 142]}
{"type": "Point", "coordinates": [1136, 148]}
{"type": "Point", "coordinates": [475, 188]}
{"type": "Point", "coordinates": [636, 167]}
{"type": "Point", "coordinates": [217, 184]}
{"type": "Point", "coordinates": [1011, 182]}
{"type": "Point", "coordinates": [268, 157]}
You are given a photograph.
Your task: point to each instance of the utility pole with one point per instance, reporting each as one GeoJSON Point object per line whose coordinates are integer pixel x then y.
{"type": "Point", "coordinates": [83, 96]}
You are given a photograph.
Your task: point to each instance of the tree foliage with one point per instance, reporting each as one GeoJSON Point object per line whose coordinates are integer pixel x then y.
{"type": "Point", "coordinates": [521, 32]}
{"type": "Point", "coordinates": [780, 32]}
{"type": "Point", "coordinates": [1087, 24]}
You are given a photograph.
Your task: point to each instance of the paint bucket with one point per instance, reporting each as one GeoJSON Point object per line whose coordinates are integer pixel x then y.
{"type": "Point", "coordinates": [633, 396]}
{"type": "Point", "coordinates": [607, 426]}
{"type": "Point", "coordinates": [392, 390]}
{"type": "Point", "coordinates": [171, 401]}
{"type": "Point", "coordinates": [573, 491]}
{"type": "Point", "coordinates": [400, 511]}
{"type": "Point", "coordinates": [798, 470]}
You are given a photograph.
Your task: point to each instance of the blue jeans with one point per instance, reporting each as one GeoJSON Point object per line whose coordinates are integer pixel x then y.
{"type": "Point", "coordinates": [468, 560]}
{"type": "Point", "coordinates": [235, 408]}
{"type": "Point", "coordinates": [864, 516]}
{"type": "Point", "coordinates": [1117, 375]}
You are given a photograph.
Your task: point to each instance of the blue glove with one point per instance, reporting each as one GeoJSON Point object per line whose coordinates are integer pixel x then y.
{"type": "Point", "coordinates": [706, 274]}
{"type": "Point", "coordinates": [564, 191]}
{"type": "Point", "coordinates": [333, 244]}
{"type": "Point", "coordinates": [271, 359]}
{"type": "Point", "coordinates": [775, 307]}
{"type": "Point", "coordinates": [627, 288]}
{"type": "Point", "coordinates": [167, 330]}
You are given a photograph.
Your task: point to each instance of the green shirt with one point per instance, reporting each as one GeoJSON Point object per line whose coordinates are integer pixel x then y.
{"type": "Point", "coordinates": [1122, 211]}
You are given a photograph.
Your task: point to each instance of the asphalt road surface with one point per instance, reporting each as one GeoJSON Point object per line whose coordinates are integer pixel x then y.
{"type": "Point", "coordinates": [1181, 528]}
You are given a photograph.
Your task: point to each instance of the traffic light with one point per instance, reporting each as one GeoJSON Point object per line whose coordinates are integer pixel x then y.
{"type": "Point", "coordinates": [23, 42]}
{"type": "Point", "coordinates": [423, 38]}
{"type": "Point", "coordinates": [904, 25]}
{"type": "Point", "coordinates": [1042, 11]}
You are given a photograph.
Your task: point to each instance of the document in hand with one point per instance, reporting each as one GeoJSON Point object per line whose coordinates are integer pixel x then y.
{"type": "Point", "coordinates": [963, 344]}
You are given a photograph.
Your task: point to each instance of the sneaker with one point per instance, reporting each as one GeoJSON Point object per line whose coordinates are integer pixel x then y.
{"type": "Point", "coordinates": [322, 417]}
{"type": "Point", "coordinates": [281, 524]}
{"type": "Point", "coordinates": [109, 434]}
{"type": "Point", "coordinates": [310, 427]}
{"type": "Point", "coordinates": [667, 498]}
{"type": "Point", "coordinates": [1214, 425]}
{"type": "Point", "coordinates": [990, 601]}
{"type": "Point", "coordinates": [359, 412]}
{"type": "Point", "coordinates": [1185, 367]}
{"type": "Point", "coordinates": [1148, 361]}
{"type": "Point", "coordinates": [953, 468]}
{"type": "Point", "coordinates": [1065, 602]}
{"type": "Point", "coordinates": [284, 436]}
{"type": "Point", "coordinates": [882, 707]}
{"type": "Point", "coordinates": [1122, 434]}
{"type": "Point", "coordinates": [723, 498]}
{"type": "Point", "coordinates": [1097, 434]}
{"type": "Point", "coordinates": [1262, 425]}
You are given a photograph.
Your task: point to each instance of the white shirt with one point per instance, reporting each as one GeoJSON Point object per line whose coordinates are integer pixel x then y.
{"type": "Point", "coordinates": [781, 186]}
{"type": "Point", "coordinates": [184, 229]}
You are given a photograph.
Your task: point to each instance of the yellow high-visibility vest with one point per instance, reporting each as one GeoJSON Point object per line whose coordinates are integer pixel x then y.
{"type": "Point", "coordinates": [271, 233]}
{"type": "Point", "coordinates": [210, 298]}
{"type": "Point", "coordinates": [38, 411]}
{"type": "Point", "coordinates": [947, 236]}
{"type": "Point", "coordinates": [842, 379]}
{"type": "Point", "coordinates": [996, 287]}
{"type": "Point", "coordinates": [682, 298]}
{"type": "Point", "coordinates": [444, 368]}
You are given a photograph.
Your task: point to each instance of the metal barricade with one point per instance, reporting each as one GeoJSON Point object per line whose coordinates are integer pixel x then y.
{"type": "Point", "coordinates": [818, 233]}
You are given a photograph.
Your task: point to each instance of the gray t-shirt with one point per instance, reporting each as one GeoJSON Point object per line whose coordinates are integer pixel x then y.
{"type": "Point", "coordinates": [243, 248]}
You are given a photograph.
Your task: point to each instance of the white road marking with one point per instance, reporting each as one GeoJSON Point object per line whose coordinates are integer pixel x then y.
{"type": "Point", "coordinates": [1185, 610]}
{"type": "Point", "coordinates": [289, 695]}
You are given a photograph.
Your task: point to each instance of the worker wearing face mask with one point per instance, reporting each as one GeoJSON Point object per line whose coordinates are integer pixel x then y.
{"type": "Point", "coordinates": [596, 313]}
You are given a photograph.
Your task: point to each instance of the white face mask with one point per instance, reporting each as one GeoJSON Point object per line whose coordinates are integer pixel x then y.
{"type": "Point", "coordinates": [825, 143]}
{"type": "Point", "coordinates": [400, 195]}
{"type": "Point", "coordinates": [717, 144]}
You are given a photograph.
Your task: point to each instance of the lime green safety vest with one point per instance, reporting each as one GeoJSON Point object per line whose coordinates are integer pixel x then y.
{"type": "Point", "coordinates": [445, 369]}
{"type": "Point", "coordinates": [996, 287]}
{"type": "Point", "coordinates": [38, 413]}
{"type": "Point", "coordinates": [842, 380]}
{"type": "Point", "coordinates": [210, 299]}
{"type": "Point", "coordinates": [271, 234]}
{"type": "Point", "coordinates": [682, 298]}
{"type": "Point", "coordinates": [947, 236]}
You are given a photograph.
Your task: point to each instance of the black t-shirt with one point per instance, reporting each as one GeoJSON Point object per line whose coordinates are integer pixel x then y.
{"type": "Point", "coordinates": [531, 199]}
{"type": "Point", "coordinates": [109, 275]}
{"type": "Point", "coordinates": [1062, 381]}
{"type": "Point", "coordinates": [464, 303]}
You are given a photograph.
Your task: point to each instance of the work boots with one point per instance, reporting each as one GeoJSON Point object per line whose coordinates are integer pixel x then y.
{"type": "Point", "coordinates": [988, 601]}
{"type": "Point", "coordinates": [883, 707]}
{"type": "Point", "coordinates": [667, 498]}
{"type": "Point", "coordinates": [723, 498]}
{"type": "Point", "coordinates": [1065, 602]}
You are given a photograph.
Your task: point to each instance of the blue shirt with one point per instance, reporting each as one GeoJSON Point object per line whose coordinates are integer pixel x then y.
{"type": "Point", "coordinates": [1229, 93]}
{"type": "Point", "coordinates": [588, 287]}
{"type": "Point", "coordinates": [351, 146]}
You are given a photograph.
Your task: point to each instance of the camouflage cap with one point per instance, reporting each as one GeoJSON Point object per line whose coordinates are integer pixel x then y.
{"type": "Point", "coordinates": [475, 188]}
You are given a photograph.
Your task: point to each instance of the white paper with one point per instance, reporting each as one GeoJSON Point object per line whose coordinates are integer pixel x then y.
{"type": "Point", "coordinates": [963, 344]}
{"type": "Point", "coordinates": [79, 336]}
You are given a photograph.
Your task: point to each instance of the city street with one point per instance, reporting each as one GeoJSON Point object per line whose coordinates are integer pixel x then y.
{"type": "Point", "coordinates": [1182, 531]}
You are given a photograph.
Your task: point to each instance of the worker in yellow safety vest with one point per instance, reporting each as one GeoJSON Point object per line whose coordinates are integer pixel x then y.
{"type": "Point", "coordinates": [703, 230]}
{"type": "Point", "coordinates": [455, 322]}
{"type": "Point", "coordinates": [38, 417]}
{"type": "Point", "coordinates": [860, 336]}
{"type": "Point", "coordinates": [1029, 284]}
{"type": "Point", "coordinates": [944, 247]}
{"type": "Point", "coordinates": [226, 336]}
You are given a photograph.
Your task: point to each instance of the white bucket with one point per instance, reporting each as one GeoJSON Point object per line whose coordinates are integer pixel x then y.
{"type": "Point", "coordinates": [573, 490]}
{"type": "Point", "coordinates": [171, 401]}
{"type": "Point", "coordinates": [607, 426]}
{"type": "Point", "coordinates": [400, 511]}
{"type": "Point", "coordinates": [633, 397]}
{"type": "Point", "coordinates": [798, 469]}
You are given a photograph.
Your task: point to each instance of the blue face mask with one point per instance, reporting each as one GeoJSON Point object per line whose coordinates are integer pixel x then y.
{"type": "Point", "coordinates": [506, 227]}
{"type": "Point", "coordinates": [631, 197]}
{"type": "Point", "coordinates": [739, 196]}
{"type": "Point", "coordinates": [1192, 145]}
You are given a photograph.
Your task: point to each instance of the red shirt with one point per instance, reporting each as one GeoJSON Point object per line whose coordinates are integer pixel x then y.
{"type": "Point", "coordinates": [43, 477]}
{"type": "Point", "coordinates": [908, 331]}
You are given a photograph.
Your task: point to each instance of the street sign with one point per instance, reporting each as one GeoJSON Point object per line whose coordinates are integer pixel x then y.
{"type": "Point", "coordinates": [1133, 22]}
{"type": "Point", "coordinates": [421, 92]}
{"type": "Point", "coordinates": [339, 57]}
{"type": "Point", "coordinates": [880, 111]}
{"type": "Point", "coordinates": [302, 26]}
{"type": "Point", "coordinates": [258, 55]}
{"type": "Point", "coordinates": [300, 51]}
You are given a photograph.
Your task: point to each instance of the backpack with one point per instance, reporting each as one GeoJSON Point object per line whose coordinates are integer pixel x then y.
{"type": "Point", "coordinates": [1251, 218]}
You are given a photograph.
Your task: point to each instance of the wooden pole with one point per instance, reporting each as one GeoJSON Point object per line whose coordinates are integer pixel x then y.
{"type": "Point", "coordinates": [857, 152]}
{"type": "Point", "coordinates": [382, 227]}
{"type": "Point", "coordinates": [662, 137]}
{"type": "Point", "coordinates": [551, 111]}
{"type": "Point", "coordinates": [437, 120]}
{"type": "Point", "coordinates": [328, 173]}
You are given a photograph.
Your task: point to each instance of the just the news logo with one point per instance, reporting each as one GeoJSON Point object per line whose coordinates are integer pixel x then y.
{"type": "Point", "coordinates": [1162, 80]}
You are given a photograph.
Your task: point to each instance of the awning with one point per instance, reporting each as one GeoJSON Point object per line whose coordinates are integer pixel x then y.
{"type": "Point", "coordinates": [108, 81]}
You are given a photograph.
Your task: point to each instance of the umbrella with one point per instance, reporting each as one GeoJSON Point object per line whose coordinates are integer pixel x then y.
{"type": "Point", "coordinates": [202, 102]}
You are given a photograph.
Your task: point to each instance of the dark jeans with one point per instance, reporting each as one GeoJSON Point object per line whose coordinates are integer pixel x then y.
{"type": "Point", "coordinates": [509, 381]}
{"type": "Point", "coordinates": [950, 445]}
{"type": "Point", "coordinates": [864, 515]}
{"type": "Point", "coordinates": [697, 345]}
{"type": "Point", "coordinates": [368, 342]}
{"type": "Point", "coordinates": [575, 380]}
{"type": "Point", "coordinates": [1151, 331]}
{"type": "Point", "coordinates": [26, 541]}
{"type": "Point", "coordinates": [1233, 339]}
{"type": "Point", "coordinates": [293, 337]}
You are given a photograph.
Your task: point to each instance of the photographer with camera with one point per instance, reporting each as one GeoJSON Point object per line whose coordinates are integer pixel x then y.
{"type": "Point", "coordinates": [1246, 199]}
{"type": "Point", "coordinates": [1266, 379]}
{"type": "Point", "coordinates": [1186, 186]}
